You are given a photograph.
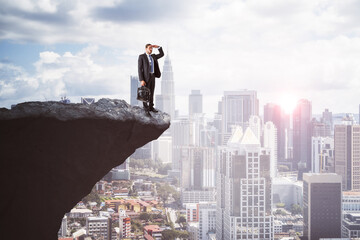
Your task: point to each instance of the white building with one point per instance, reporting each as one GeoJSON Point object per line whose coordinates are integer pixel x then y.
{"type": "Point", "coordinates": [193, 196]}
{"type": "Point", "coordinates": [193, 229]}
{"type": "Point", "coordinates": [99, 227]}
{"type": "Point", "coordinates": [63, 228]}
{"type": "Point", "coordinates": [287, 190]}
{"type": "Point", "coordinates": [182, 137]}
{"type": "Point", "coordinates": [162, 149]}
{"type": "Point", "coordinates": [207, 219]}
{"type": "Point", "coordinates": [236, 109]}
{"type": "Point", "coordinates": [255, 125]}
{"type": "Point", "coordinates": [195, 102]}
{"type": "Point", "coordinates": [270, 142]}
{"type": "Point", "coordinates": [322, 154]}
{"type": "Point", "coordinates": [244, 190]}
{"type": "Point", "coordinates": [124, 224]}
{"type": "Point", "coordinates": [351, 201]}
{"type": "Point", "coordinates": [192, 212]}
{"type": "Point", "coordinates": [166, 100]}
{"type": "Point", "coordinates": [79, 213]}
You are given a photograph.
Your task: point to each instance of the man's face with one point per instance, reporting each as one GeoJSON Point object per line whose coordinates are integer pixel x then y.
{"type": "Point", "coordinates": [149, 49]}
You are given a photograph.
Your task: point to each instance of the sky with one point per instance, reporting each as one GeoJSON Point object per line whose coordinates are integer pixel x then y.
{"type": "Point", "coordinates": [284, 49]}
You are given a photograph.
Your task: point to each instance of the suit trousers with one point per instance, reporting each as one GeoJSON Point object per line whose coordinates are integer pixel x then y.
{"type": "Point", "coordinates": [151, 85]}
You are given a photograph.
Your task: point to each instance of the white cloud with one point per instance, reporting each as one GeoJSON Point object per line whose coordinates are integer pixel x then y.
{"type": "Point", "coordinates": [59, 75]}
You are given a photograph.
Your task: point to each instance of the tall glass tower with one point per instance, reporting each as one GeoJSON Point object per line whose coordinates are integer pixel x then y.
{"type": "Point", "coordinates": [166, 100]}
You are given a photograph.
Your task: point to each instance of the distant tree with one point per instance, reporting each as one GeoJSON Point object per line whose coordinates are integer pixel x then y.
{"type": "Point", "coordinates": [175, 181]}
{"type": "Point", "coordinates": [181, 219]}
{"type": "Point", "coordinates": [296, 209]}
{"type": "Point", "coordinates": [92, 197]}
{"type": "Point", "coordinates": [169, 234]}
{"type": "Point", "coordinates": [283, 168]}
{"type": "Point", "coordinates": [145, 216]}
{"type": "Point", "coordinates": [280, 205]}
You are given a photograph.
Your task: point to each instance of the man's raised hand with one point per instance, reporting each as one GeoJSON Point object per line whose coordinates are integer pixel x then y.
{"type": "Point", "coordinates": [143, 83]}
{"type": "Point", "coordinates": [155, 46]}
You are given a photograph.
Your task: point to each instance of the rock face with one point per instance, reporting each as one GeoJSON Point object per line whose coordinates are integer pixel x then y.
{"type": "Point", "coordinates": [52, 154]}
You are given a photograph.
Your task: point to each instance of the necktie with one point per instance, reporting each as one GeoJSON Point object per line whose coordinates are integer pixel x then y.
{"type": "Point", "coordinates": [151, 64]}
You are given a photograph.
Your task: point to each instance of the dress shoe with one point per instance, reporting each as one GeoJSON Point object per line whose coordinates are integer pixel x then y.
{"type": "Point", "coordinates": [153, 110]}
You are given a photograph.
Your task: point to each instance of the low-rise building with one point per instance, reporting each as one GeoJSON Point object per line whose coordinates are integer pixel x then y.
{"type": "Point", "coordinates": [351, 201]}
{"type": "Point", "coordinates": [197, 196]}
{"type": "Point", "coordinates": [154, 231]}
{"type": "Point", "coordinates": [80, 213]}
{"type": "Point", "coordinates": [351, 225]}
{"type": "Point", "coordinates": [99, 227]}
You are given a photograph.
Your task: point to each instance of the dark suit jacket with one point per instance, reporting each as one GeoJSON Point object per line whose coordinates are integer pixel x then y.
{"type": "Point", "coordinates": [144, 65]}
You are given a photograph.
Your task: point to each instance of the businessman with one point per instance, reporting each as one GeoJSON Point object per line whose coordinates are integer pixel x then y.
{"type": "Point", "coordinates": [148, 68]}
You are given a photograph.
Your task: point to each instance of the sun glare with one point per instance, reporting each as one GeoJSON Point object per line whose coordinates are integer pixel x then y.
{"type": "Point", "coordinates": [288, 103]}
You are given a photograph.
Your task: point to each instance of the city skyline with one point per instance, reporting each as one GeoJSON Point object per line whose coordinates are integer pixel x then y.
{"type": "Point", "coordinates": [285, 50]}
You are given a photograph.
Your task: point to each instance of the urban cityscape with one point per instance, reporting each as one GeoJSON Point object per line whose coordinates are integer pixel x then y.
{"type": "Point", "coordinates": [245, 173]}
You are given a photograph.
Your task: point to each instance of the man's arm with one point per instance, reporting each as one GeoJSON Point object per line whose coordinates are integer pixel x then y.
{"type": "Point", "coordinates": [141, 71]}
{"type": "Point", "coordinates": [161, 52]}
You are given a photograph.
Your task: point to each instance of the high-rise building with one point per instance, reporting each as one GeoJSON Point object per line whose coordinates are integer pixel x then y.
{"type": "Point", "coordinates": [197, 196]}
{"type": "Point", "coordinates": [124, 224]}
{"type": "Point", "coordinates": [322, 155]}
{"type": "Point", "coordinates": [327, 119]}
{"type": "Point", "coordinates": [99, 227]}
{"type": "Point", "coordinates": [236, 109]}
{"type": "Point", "coordinates": [207, 219]}
{"type": "Point", "coordinates": [195, 102]}
{"type": "Point", "coordinates": [255, 125]}
{"type": "Point", "coordinates": [209, 137]}
{"type": "Point", "coordinates": [143, 152]}
{"type": "Point", "coordinates": [243, 189]}
{"type": "Point", "coordinates": [274, 113]}
{"type": "Point", "coordinates": [182, 137]}
{"type": "Point", "coordinates": [162, 149]}
{"type": "Point", "coordinates": [134, 85]}
{"type": "Point", "coordinates": [270, 142]}
{"type": "Point", "coordinates": [192, 212]}
{"type": "Point", "coordinates": [166, 100]}
{"type": "Point", "coordinates": [318, 129]}
{"type": "Point", "coordinates": [302, 135]}
{"type": "Point", "coordinates": [322, 205]}
{"type": "Point", "coordinates": [347, 155]}
{"type": "Point", "coordinates": [198, 168]}
{"type": "Point", "coordinates": [63, 228]}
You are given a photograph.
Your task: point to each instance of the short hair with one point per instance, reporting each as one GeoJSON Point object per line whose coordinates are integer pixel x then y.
{"type": "Point", "coordinates": [147, 45]}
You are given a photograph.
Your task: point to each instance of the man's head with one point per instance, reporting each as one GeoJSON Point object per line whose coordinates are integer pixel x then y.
{"type": "Point", "coordinates": [148, 48]}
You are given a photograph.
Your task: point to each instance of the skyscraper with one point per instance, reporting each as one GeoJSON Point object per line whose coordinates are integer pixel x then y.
{"type": "Point", "coordinates": [243, 189]}
{"type": "Point", "coordinates": [302, 135]}
{"type": "Point", "coordinates": [322, 205]}
{"type": "Point", "coordinates": [274, 113]}
{"type": "Point", "coordinates": [182, 133]}
{"type": "Point", "coordinates": [198, 168]}
{"type": "Point", "coordinates": [134, 84]}
{"type": "Point", "coordinates": [328, 121]}
{"type": "Point", "coordinates": [195, 102]}
{"type": "Point", "coordinates": [166, 100]}
{"type": "Point", "coordinates": [236, 109]}
{"type": "Point", "coordinates": [255, 125]}
{"type": "Point", "coordinates": [270, 142]}
{"type": "Point", "coordinates": [322, 155]}
{"type": "Point", "coordinates": [347, 155]}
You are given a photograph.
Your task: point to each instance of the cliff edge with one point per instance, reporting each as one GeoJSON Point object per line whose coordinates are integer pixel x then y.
{"type": "Point", "coordinates": [52, 154]}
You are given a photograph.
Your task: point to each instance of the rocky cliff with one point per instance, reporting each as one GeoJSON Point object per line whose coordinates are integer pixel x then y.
{"type": "Point", "coordinates": [52, 154]}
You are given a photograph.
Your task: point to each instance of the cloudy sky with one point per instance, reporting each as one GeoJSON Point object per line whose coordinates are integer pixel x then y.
{"type": "Point", "coordinates": [283, 49]}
